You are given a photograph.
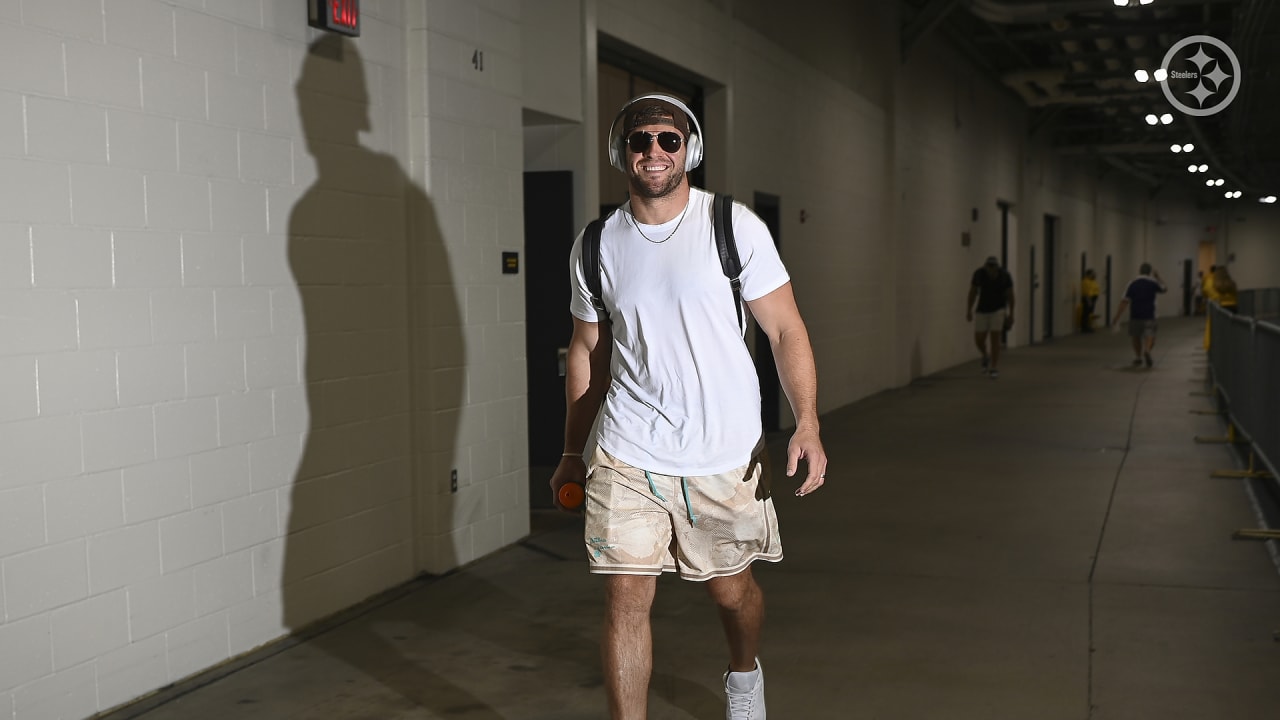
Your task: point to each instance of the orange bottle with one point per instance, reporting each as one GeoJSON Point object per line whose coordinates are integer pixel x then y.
{"type": "Point", "coordinates": [571, 495]}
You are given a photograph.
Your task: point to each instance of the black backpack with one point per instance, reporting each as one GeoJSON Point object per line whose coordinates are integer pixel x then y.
{"type": "Point", "coordinates": [721, 220]}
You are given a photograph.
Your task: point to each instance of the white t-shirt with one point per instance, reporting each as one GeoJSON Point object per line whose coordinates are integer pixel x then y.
{"type": "Point", "coordinates": [684, 398]}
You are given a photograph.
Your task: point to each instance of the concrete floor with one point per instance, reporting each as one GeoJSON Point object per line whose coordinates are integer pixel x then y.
{"type": "Point", "coordinates": [1046, 546]}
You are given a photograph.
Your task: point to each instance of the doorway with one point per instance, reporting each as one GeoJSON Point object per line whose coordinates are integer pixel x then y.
{"type": "Point", "coordinates": [1009, 258]}
{"type": "Point", "coordinates": [768, 208]}
{"type": "Point", "coordinates": [548, 236]}
{"type": "Point", "coordinates": [1186, 287]}
{"type": "Point", "coordinates": [1107, 289]}
{"type": "Point", "coordinates": [1034, 284]}
{"type": "Point", "coordinates": [624, 72]}
{"type": "Point", "coordinates": [1207, 257]}
{"type": "Point", "coordinates": [1084, 320]}
{"type": "Point", "coordinates": [1050, 237]}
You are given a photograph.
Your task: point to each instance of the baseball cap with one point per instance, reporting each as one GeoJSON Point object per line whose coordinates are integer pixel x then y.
{"type": "Point", "coordinates": [652, 111]}
{"type": "Point", "coordinates": [991, 260]}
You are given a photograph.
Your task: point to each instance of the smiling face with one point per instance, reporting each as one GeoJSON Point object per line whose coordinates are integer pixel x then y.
{"type": "Point", "coordinates": [654, 172]}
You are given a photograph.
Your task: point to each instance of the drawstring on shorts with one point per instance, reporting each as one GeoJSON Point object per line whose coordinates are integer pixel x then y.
{"type": "Point", "coordinates": [684, 487]}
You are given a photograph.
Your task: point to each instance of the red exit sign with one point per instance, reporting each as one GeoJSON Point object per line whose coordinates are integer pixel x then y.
{"type": "Point", "coordinates": [340, 16]}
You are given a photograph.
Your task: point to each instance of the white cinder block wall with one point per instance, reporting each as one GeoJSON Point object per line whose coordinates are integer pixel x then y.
{"type": "Point", "coordinates": [251, 317]}
{"type": "Point", "coordinates": [466, 84]}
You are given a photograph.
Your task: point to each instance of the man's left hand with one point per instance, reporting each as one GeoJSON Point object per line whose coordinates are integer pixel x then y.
{"type": "Point", "coordinates": [807, 445]}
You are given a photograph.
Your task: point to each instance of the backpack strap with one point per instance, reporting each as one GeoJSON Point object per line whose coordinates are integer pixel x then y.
{"type": "Point", "coordinates": [730, 263]}
{"type": "Point", "coordinates": [591, 265]}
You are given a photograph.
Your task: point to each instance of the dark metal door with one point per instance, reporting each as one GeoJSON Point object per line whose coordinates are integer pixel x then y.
{"type": "Point", "coordinates": [1186, 287]}
{"type": "Point", "coordinates": [1034, 284]}
{"type": "Point", "coordinates": [548, 237]}
{"type": "Point", "coordinates": [1050, 226]}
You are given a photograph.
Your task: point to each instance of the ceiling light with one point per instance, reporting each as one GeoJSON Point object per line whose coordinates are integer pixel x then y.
{"type": "Point", "coordinates": [1152, 119]}
{"type": "Point", "coordinates": [1161, 75]}
{"type": "Point", "coordinates": [1192, 168]}
{"type": "Point", "coordinates": [1141, 75]}
{"type": "Point", "coordinates": [1270, 199]}
{"type": "Point", "coordinates": [1121, 3]}
{"type": "Point", "coordinates": [1204, 168]}
{"type": "Point", "coordinates": [1188, 147]}
{"type": "Point", "coordinates": [1219, 182]}
{"type": "Point", "coordinates": [1176, 148]}
{"type": "Point", "coordinates": [1166, 118]}
{"type": "Point", "coordinates": [1208, 183]}
{"type": "Point", "coordinates": [1230, 195]}
{"type": "Point", "coordinates": [1238, 193]}
{"type": "Point", "coordinates": [1146, 2]}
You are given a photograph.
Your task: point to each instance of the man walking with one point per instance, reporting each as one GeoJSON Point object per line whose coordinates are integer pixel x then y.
{"type": "Point", "coordinates": [1140, 299]}
{"type": "Point", "coordinates": [992, 287]}
{"type": "Point", "coordinates": [677, 481]}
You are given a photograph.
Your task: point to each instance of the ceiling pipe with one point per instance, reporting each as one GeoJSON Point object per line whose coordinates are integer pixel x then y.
{"type": "Point", "coordinates": [1021, 13]}
{"type": "Point", "coordinates": [1219, 167]}
{"type": "Point", "coordinates": [1123, 166]}
{"type": "Point", "coordinates": [1009, 13]}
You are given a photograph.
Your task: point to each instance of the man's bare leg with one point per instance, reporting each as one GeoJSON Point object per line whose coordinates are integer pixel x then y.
{"type": "Point", "coordinates": [741, 605]}
{"type": "Point", "coordinates": [627, 647]}
{"type": "Point", "coordinates": [980, 339]}
{"type": "Point", "coordinates": [995, 349]}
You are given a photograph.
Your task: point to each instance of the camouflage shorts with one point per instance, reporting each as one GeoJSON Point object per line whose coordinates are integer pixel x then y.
{"type": "Point", "coordinates": [703, 527]}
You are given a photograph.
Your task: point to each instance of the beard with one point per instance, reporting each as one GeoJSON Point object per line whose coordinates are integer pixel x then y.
{"type": "Point", "coordinates": [659, 189]}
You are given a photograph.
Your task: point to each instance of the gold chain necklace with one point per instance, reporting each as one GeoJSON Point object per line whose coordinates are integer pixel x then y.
{"type": "Point", "coordinates": [668, 237]}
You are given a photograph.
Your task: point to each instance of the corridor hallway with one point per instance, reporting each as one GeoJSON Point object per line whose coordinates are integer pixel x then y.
{"type": "Point", "coordinates": [1047, 546]}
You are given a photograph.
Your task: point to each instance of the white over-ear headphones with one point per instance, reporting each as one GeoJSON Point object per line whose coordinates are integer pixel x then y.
{"type": "Point", "coordinates": [693, 143]}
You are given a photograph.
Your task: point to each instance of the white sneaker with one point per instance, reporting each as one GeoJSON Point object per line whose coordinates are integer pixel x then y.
{"type": "Point", "coordinates": [745, 694]}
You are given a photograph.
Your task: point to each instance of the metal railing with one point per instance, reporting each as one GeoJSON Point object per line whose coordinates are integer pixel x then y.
{"type": "Point", "coordinates": [1261, 304]}
{"type": "Point", "coordinates": [1244, 363]}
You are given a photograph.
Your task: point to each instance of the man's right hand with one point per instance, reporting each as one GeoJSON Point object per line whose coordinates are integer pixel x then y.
{"type": "Point", "coordinates": [570, 469]}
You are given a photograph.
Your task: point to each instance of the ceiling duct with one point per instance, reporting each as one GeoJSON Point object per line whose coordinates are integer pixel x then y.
{"type": "Point", "coordinates": [1013, 13]}
{"type": "Point", "coordinates": [1005, 13]}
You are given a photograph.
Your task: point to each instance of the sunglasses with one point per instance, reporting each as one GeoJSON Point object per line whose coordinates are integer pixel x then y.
{"type": "Point", "coordinates": [640, 141]}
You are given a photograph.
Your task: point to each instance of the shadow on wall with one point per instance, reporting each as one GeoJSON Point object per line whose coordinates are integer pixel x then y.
{"type": "Point", "coordinates": [382, 350]}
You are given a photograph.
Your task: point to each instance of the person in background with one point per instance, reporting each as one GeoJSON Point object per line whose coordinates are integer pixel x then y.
{"type": "Point", "coordinates": [1210, 296]}
{"type": "Point", "coordinates": [1225, 295]}
{"type": "Point", "coordinates": [1224, 286]}
{"type": "Point", "coordinates": [1140, 299]}
{"type": "Point", "coordinates": [992, 287]}
{"type": "Point", "coordinates": [1089, 292]}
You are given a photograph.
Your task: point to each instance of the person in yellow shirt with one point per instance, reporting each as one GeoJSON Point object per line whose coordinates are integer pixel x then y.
{"type": "Point", "coordinates": [1206, 288]}
{"type": "Point", "coordinates": [1224, 287]}
{"type": "Point", "coordinates": [1221, 289]}
{"type": "Point", "coordinates": [1089, 292]}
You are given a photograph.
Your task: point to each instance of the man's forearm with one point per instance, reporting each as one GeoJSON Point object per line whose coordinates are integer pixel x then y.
{"type": "Point", "coordinates": [584, 393]}
{"type": "Point", "coordinates": [799, 375]}
{"type": "Point", "coordinates": [1124, 305]}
